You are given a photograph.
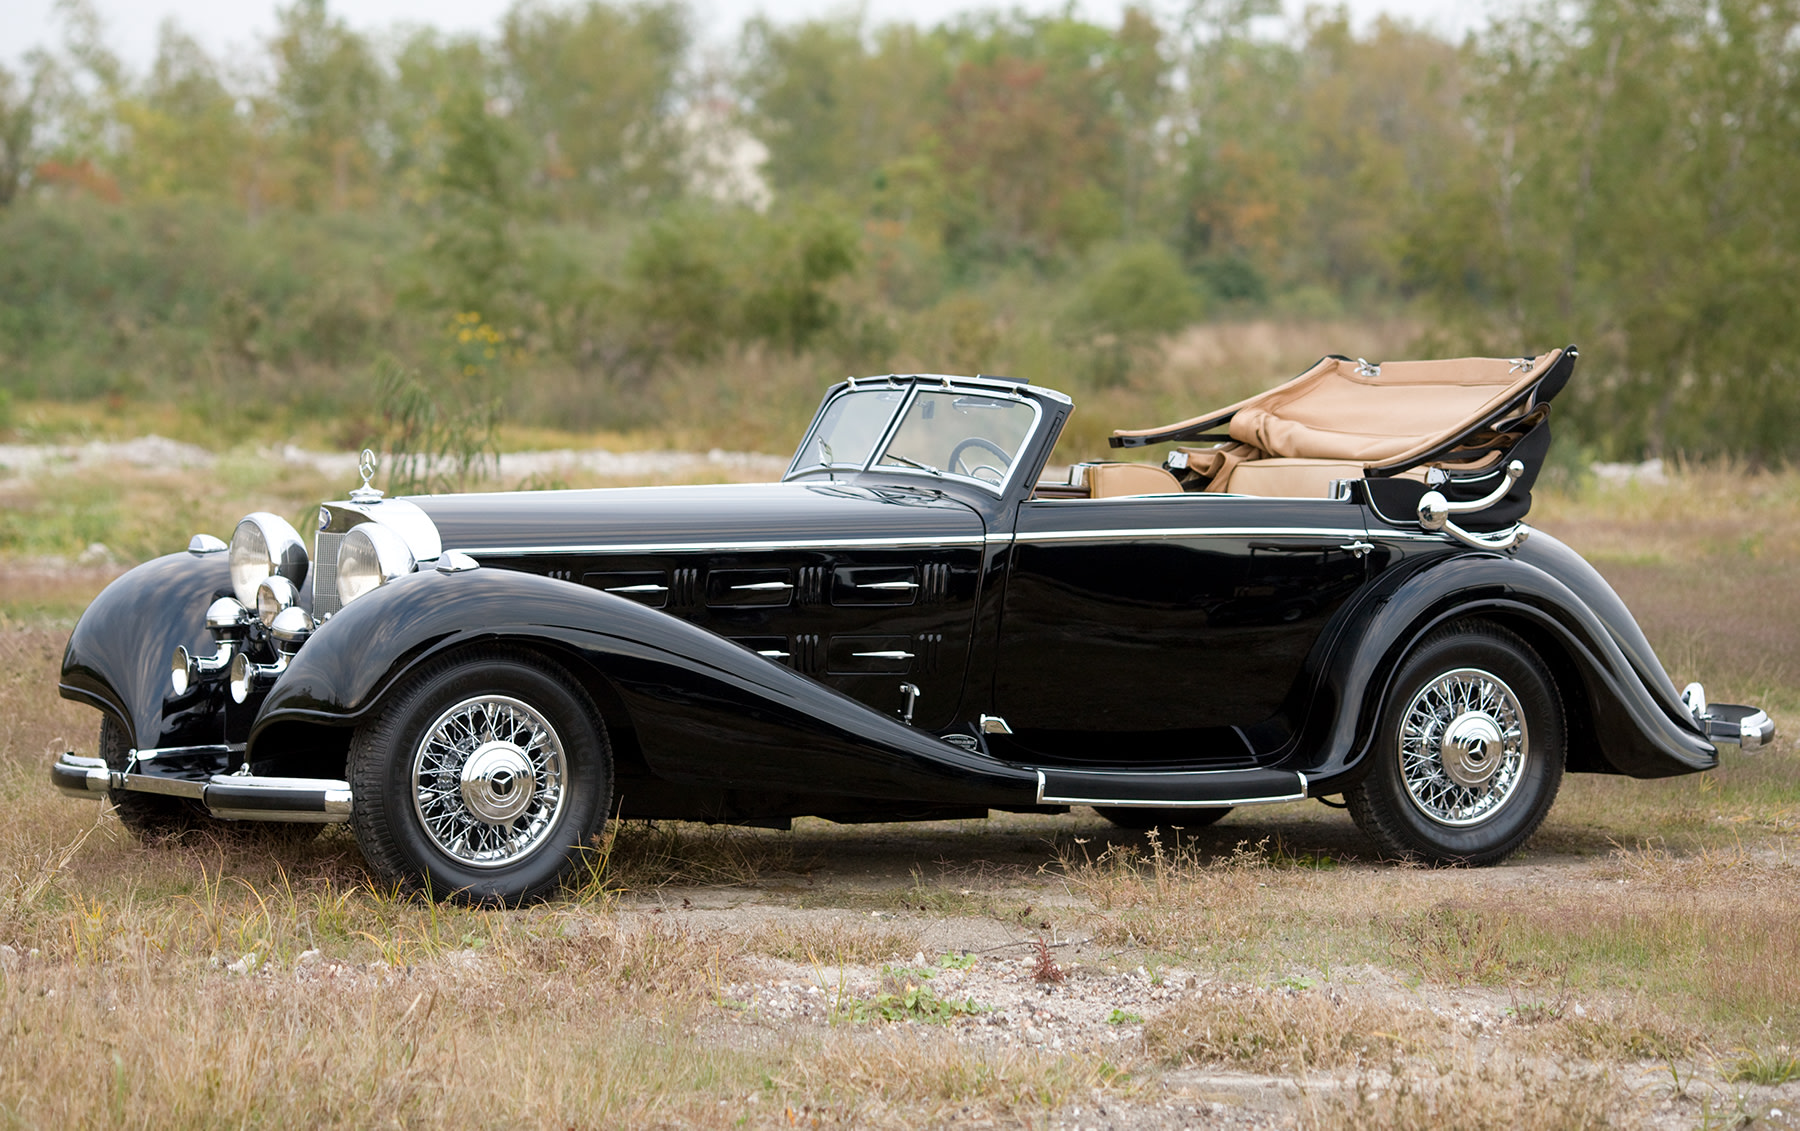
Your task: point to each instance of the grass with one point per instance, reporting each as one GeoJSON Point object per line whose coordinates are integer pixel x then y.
{"type": "Point", "coordinates": [1650, 927]}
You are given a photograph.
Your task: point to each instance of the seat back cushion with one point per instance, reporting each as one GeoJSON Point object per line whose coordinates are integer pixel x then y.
{"type": "Point", "coordinates": [1112, 480]}
{"type": "Point", "coordinates": [1294, 478]}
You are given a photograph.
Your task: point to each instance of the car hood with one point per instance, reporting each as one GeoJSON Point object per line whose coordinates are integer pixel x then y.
{"type": "Point", "coordinates": [726, 515]}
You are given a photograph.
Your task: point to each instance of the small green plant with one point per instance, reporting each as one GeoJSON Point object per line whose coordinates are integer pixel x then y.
{"type": "Point", "coordinates": [1769, 1067]}
{"type": "Point", "coordinates": [441, 432]}
{"type": "Point", "coordinates": [956, 962]}
{"type": "Point", "coordinates": [912, 1002]}
{"type": "Point", "coordinates": [1122, 1017]}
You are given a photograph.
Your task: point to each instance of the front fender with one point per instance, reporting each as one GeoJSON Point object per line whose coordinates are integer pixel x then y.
{"type": "Point", "coordinates": [1634, 717]}
{"type": "Point", "coordinates": [706, 710]}
{"type": "Point", "coordinates": [118, 654]}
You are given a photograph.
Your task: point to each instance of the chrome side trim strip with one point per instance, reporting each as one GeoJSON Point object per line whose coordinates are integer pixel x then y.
{"type": "Point", "coordinates": [924, 542]}
{"type": "Point", "coordinates": [1139, 803]}
{"type": "Point", "coordinates": [1188, 532]}
{"type": "Point", "coordinates": [930, 542]}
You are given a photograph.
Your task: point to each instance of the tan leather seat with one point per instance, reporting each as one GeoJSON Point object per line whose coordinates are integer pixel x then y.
{"type": "Point", "coordinates": [1296, 478]}
{"type": "Point", "coordinates": [1113, 480]}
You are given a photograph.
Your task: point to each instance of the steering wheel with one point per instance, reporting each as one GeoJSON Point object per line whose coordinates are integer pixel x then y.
{"type": "Point", "coordinates": [972, 470]}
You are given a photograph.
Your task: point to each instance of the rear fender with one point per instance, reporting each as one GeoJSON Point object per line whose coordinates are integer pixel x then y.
{"type": "Point", "coordinates": [705, 710]}
{"type": "Point", "coordinates": [1624, 706]}
{"type": "Point", "coordinates": [118, 654]}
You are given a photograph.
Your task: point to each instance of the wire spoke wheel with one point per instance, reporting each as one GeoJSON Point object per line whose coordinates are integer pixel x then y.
{"type": "Point", "coordinates": [1471, 755]}
{"type": "Point", "coordinates": [488, 780]}
{"type": "Point", "coordinates": [481, 779]}
{"type": "Point", "coordinates": [1463, 745]}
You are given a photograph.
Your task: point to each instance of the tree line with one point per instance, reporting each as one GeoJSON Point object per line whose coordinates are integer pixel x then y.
{"type": "Point", "coordinates": [617, 199]}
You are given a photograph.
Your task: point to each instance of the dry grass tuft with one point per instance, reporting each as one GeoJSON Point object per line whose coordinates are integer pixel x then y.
{"type": "Point", "coordinates": [645, 856]}
{"type": "Point", "coordinates": [907, 1079]}
{"type": "Point", "coordinates": [835, 943]}
{"type": "Point", "coordinates": [1478, 1096]}
{"type": "Point", "coordinates": [1458, 945]}
{"type": "Point", "coordinates": [1287, 1031]}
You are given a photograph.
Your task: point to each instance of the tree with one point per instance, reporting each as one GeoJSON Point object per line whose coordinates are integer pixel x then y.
{"type": "Point", "coordinates": [328, 88]}
{"type": "Point", "coordinates": [21, 119]}
{"type": "Point", "coordinates": [595, 87]}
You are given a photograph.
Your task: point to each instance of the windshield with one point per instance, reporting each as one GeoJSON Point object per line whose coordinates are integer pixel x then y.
{"type": "Point", "coordinates": [964, 434]}
{"type": "Point", "coordinates": [849, 429]}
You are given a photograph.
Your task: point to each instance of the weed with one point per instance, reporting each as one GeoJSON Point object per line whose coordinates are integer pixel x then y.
{"type": "Point", "coordinates": [1770, 1067]}
{"type": "Point", "coordinates": [1455, 945]}
{"type": "Point", "coordinates": [1122, 1017]}
{"type": "Point", "coordinates": [1045, 970]}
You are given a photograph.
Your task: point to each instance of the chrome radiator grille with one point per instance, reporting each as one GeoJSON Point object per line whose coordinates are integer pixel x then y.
{"type": "Point", "coordinates": [324, 567]}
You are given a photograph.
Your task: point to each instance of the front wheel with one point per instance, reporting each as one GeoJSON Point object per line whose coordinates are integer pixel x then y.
{"type": "Point", "coordinates": [481, 780]}
{"type": "Point", "coordinates": [1469, 752]}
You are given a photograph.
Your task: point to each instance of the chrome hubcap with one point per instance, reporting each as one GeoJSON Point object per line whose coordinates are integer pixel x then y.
{"type": "Point", "coordinates": [1463, 746]}
{"type": "Point", "coordinates": [488, 781]}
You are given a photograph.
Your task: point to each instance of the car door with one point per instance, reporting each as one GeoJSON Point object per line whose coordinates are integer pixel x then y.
{"type": "Point", "coordinates": [1166, 629]}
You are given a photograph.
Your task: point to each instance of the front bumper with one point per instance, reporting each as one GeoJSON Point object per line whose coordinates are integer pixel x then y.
{"type": "Point", "coordinates": [196, 774]}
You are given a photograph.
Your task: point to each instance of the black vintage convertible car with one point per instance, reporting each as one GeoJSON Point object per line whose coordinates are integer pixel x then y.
{"type": "Point", "coordinates": [1327, 590]}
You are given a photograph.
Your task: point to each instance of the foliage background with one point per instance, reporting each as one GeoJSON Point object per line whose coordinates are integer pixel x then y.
{"type": "Point", "coordinates": [663, 237]}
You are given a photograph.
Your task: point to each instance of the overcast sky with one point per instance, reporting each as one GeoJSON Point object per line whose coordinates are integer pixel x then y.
{"type": "Point", "coordinates": [238, 27]}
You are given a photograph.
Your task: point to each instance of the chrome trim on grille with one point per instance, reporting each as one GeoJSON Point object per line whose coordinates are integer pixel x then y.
{"type": "Point", "coordinates": [325, 595]}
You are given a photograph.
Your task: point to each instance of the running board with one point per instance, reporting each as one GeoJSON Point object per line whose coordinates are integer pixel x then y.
{"type": "Point", "coordinates": [1201, 789]}
{"type": "Point", "coordinates": [230, 797]}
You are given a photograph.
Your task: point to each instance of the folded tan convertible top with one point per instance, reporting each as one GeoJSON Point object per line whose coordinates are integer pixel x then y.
{"type": "Point", "coordinates": [1380, 416]}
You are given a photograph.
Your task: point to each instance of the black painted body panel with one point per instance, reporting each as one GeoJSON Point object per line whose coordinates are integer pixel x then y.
{"type": "Point", "coordinates": [705, 711]}
{"type": "Point", "coordinates": [118, 655]}
{"type": "Point", "coordinates": [1182, 621]}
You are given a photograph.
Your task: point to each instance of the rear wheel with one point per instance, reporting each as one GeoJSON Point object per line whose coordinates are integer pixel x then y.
{"type": "Point", "coordinates": [1469, 752]}
{"type": "Point", "coordinates": [480, 780]}
{"type": "Point", "coordinates": [1132, 817]}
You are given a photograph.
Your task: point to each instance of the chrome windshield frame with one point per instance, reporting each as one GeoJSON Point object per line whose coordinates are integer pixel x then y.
{"type": "Point", "coordinates": [913, 386]}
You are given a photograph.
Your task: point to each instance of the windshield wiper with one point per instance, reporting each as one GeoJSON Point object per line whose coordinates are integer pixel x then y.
{"type": "Point", "coordinates": [912, 463]}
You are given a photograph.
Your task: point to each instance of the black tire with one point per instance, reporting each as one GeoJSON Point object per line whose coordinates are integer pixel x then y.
{"type": "Point", "coordinates": [472, 833]}
{"type": "Point", "coordinates": [155, 819]}
{"type": "Point", "coordinates": [1132, 817]}
{"type": "Point", "coordinates": [1427, 799]}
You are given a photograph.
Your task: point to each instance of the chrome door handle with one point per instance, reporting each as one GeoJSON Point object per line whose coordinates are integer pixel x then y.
{"type": "Point", "coordinates": [764, 586]}
{"type": "Point", "coordinates": [1357, 548]}
{"type": "Point", "coordinates": [637, 589]}
{"type": "Point", "coordinates": [889, 585]}
{"type": "Point", "coordinates": [890, 655]}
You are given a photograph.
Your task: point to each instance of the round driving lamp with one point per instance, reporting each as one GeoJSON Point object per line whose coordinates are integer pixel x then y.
{"type": "Point", "coordinates": [264, 546]}
{"type": "Point", "coordinates": [240, 678]}
{"type": "Point", "coordinates": [224, 615]}
{"type": "Point", "coordinates": [369, 557]}
{"type": "Point", "coordinates": [290, 628]}
{"type": "Point", "coordinates": [184, 671]}
{"type": "Point", "coordinates": [272, 596]}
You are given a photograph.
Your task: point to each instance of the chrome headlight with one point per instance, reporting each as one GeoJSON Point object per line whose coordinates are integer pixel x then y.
{"type": "Point", "coordinates": [264, 546]}
{"type": "Point", "coordinates": [369, 557]}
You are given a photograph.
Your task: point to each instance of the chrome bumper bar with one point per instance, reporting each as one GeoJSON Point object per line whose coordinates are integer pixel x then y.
{"type": "Point", "coordinates": [231, 797]}
{"type": "Point", "coordinates": [1748, 727]}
